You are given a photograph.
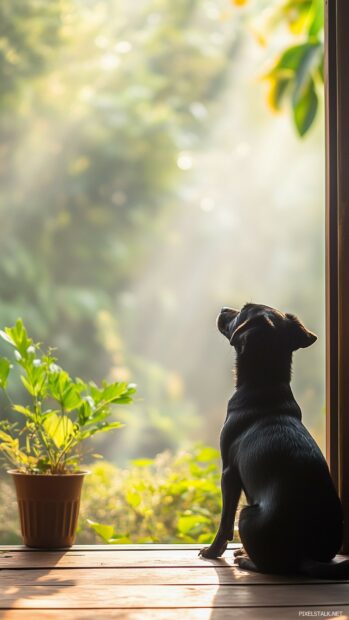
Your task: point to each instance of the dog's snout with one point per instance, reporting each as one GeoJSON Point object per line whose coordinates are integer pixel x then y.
{"type": "Point", "coordinates": [230, 311]}
{"type": "Point", "coordinates": [225, 319]}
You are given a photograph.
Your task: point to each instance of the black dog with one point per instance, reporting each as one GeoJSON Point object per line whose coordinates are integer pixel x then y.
{"type": "Point", "coordinates": [293, 520]}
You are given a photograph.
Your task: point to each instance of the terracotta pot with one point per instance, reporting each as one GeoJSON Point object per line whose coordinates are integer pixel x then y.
{"type": "Point", "coordinates": [48, 507]}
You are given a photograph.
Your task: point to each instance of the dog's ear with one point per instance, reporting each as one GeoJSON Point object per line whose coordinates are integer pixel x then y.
{"type": "Point", "coordinates": [243, 331]}
{"type": "Point", "coordinates": [300, 336]}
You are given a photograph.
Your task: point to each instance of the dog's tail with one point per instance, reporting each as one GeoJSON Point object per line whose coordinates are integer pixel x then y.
{"type": "Point", "coordinates": [325, 570]}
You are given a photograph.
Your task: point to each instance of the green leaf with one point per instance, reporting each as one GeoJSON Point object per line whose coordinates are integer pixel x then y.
{"type": "Point", "coordinates": [106, 532]}
{"type": "Point", "coordinates": [24, 410]}
{"type": "Point", "coordinates": [59, 428]}
{"type": "Point", "coordinates": [102, 428]}
{"type": "Point", "coordinates": [292, 56]}
{"type": "Point", "coordinates": [317, 21]}
{"type": "Point", "coordinates": [35, 378]}
{"type": "Point", "coordinates": [28, 386]}
{"type": "Point", "coordinates": [93, 417]}
{"type": "Point", "coordinates": [4, 371]}
{"type": "Point", "coordinates": [10, 447]}
{"type": "Point", "coordinates": [121, 540]}
{"type": "Point", "coordinates": [277, 91]}
{"type": "Point", "coordinates": [307, 65]}
{"type": "Point", "coordinates": [7, 438]}
{"type": "Point", "coordinates": [108, 393]}
{"type": "Point", "coordinates": [123, 400]}
{"type": "Point", "coordinates": [71, 398]}
{"type": "Point", "coordinates": [133, 498]}
{"type": "Point", "coordinates": [63, 389]}
{"type": "Point", "coordinates": [6, 337]}
{"type": "Point", "coordinates": [304, 111]}
{"type": "Point", "coordinates": [84, 412]}
{"type": "Point", "coordinates": [17, 337]}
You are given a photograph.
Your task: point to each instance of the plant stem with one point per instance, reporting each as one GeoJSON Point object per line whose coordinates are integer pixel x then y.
{"type": "Point", "coordinates": [68, 446]}
{"type": "Point", "coordinates": [8, 396]}
{"type": "Point", "coordinates": [40, 431]}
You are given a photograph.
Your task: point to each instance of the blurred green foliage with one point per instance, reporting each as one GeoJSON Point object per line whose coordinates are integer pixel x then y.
{"type": "Point", "coordinates": [30, 34]}
{"type": "Point", "coordinates": [174, 498]}
{"type": "Point", "coordinates": [91, 132]}
{"type": "Point", "coordinates": [98, 101]}
{"type": "Point", "coordinates": [166, 499]}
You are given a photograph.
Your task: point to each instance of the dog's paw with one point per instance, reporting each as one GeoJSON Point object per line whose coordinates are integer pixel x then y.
{"type": "Point", "coordinates": [208, 552]}
{"type": "Point", "coordinates": [240, 551]}
{"type": "Point", "coordinates": [244, 562]}
{"type": "Point", "coordinates": [212, 552]}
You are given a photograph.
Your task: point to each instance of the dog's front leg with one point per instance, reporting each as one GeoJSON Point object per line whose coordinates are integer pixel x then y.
{"type": "Point", "coordinates": [231, 491]}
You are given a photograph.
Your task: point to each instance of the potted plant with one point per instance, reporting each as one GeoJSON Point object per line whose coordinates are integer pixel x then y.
{"type": "Point", "coordinates": [45, 451]}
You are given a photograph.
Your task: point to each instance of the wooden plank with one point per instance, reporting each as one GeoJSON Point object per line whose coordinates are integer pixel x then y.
{"type": "Point", "coordinates": [148, 576]}
{"type": "Point", "coordinates": [118, 558]}
{"type": "Point", "coordinates": [163, 597]}
{"type": "Point", "coordinates": [244, 613]}
{"type": "Point", "coordinates": [144, 547]}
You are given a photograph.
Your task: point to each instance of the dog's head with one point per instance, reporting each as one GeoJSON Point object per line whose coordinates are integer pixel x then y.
{"type": "Point", "coordinates": [257, 327]}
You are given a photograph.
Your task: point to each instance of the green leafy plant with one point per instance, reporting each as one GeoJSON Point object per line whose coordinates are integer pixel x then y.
{"type": "Point", "coordinates": [62, 413]}
{"type": "Point", "coordinates": [296, 76]}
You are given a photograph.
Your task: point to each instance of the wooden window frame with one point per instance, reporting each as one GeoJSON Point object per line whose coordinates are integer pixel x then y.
{"type": "Point", "coordinates": [337, 248]}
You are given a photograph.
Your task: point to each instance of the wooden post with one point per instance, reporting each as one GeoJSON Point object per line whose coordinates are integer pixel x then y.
{"type": "Point", "coordinates": [337, 242]}
{"type": "Point", "coordinates": [331, 241]}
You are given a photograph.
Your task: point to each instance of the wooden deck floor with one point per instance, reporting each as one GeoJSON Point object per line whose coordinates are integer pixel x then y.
{"type": "Point", "coordinates": [153, 582]}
